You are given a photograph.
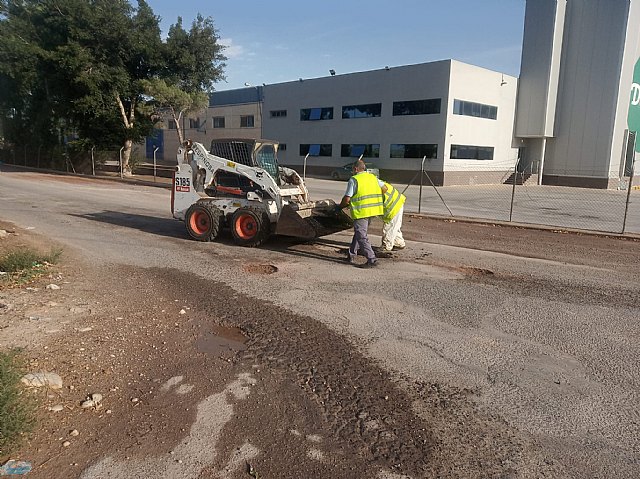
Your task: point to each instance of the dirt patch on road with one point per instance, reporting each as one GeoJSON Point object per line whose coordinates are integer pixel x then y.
{"type": "Point", "coordinates": [169, 351]}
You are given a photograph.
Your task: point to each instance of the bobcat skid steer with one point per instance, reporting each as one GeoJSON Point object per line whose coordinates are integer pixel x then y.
{"type": "Point", "coordinates": [238, 184]}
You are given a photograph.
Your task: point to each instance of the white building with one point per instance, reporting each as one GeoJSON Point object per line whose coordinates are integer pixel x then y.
{"type": "Point", "coordinates": [577, 67]}
{"type": "Point", "coordinates": [459, 116]}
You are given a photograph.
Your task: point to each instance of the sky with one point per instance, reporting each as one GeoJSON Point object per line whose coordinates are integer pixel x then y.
{"type": "Point", "coordinates": [274, 41]}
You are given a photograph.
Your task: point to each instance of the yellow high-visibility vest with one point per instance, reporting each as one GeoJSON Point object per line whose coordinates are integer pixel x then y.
{"type": "Point", "coordinates": [367, 201]}
{"type": "Point", "coordinates": [393, 201]}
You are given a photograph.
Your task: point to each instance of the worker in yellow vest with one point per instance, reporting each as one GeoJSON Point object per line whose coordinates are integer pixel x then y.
{"type": "Point", "coordinates": [392, 217]}
{"type": "Point", "coordinates": [364, 197]}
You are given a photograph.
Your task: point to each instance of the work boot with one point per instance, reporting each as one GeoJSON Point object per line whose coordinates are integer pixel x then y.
{"type": "Point", "coordinates": [350, 259]}
{"type": "Point", "coordinates": [370, 264]}
{"type": "Point", "coordinates": [396, 248]}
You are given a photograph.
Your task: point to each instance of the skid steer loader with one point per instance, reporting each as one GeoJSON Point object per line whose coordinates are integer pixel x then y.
{"type": "Point", "coordinates": [239, 184]}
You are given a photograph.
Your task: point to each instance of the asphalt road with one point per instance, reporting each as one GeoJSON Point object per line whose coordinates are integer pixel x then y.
{"type": "Point", "coordinates": [549, 346]}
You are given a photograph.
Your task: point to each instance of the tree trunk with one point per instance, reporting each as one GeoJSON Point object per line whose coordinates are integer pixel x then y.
{"type": "Point", "coordinates": [128, 124]}
{"type": "Point", "coordinates": [126, 155]}
{"type": "Point", "coordinates": [179, 131]}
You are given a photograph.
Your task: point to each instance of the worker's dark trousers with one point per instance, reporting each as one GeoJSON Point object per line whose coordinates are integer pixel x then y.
{"type": "Point", "coordinates": [360, 241]}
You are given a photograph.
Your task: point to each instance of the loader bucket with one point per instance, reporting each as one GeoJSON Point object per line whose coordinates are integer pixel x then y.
{"type": "Point", "coordinates": [311, 220]}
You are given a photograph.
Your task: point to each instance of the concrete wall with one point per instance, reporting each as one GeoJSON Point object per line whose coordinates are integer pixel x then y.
{"type": "Point", "coordinates": [479, 85]}
{"type": "Point", "coordinates": [593, 47]}
{"type": "Point", "coordinates": [206, 132]}
{"type": "Point", "coordinates": [540, 68]}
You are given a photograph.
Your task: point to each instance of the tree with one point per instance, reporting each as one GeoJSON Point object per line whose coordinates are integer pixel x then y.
{"type": "Point", "coordinates": [193, 62]}
{"type": "Point", "coordinates": [87, 67]}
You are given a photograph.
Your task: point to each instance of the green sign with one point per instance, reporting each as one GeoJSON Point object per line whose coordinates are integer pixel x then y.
{"type": "Point", "coordinates": [634, 107]}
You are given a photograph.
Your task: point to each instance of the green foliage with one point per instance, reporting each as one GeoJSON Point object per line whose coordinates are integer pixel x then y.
{"type": "Point", "coordinates": [25, 264]}
{"type": "Point", "coordinates": [16, 408]}
{"type": "Point", "coordinates": [85, 68]}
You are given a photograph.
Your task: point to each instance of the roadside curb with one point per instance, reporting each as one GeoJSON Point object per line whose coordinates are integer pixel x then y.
{"type": "Point", "coordinates": [531, 226]}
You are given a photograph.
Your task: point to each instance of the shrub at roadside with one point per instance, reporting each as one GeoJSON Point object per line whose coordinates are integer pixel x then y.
{"type": "Point", "coordinates": [17, 408]}
{"type": "Point", "coordinates": [24, 264]}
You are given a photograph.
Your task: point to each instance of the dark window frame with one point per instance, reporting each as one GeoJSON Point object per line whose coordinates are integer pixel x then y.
{"type": "Point", "coordinates": [316, 113]}
{"type": "Point", "coordinates": [369, 110]}
{"type": "Point", "coordinates": [354, 150]}
{"type": "Point", "coordinates": [430, 106]}
{"type": "Point", "coordinates": [248, 120]}
{"type": "Point", "coordinates": [216, 123]}
{"type": "Point", "coordinates": [414, 150]}
{"type": "Point", "coordinates": [472, 152]}
{"type": "Point", "coordinates": [278, 113]}
{"type": "Point", "coordinates": [475, 110]}
{"type": "Point", "coordinates": [323, 149]}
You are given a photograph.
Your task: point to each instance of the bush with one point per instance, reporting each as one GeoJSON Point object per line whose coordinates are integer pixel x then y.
{"type": "Point", "coordinates": [25, 264]}
{"type": "Point", "coordinates": [16, 407]}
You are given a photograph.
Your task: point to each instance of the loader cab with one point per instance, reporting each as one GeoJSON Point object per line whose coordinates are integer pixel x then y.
{"type": "Point", "coordinates": [256, 153]}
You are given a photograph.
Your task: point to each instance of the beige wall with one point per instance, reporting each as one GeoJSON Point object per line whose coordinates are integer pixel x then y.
{"type": "Point", "coordinates": [206, 132]}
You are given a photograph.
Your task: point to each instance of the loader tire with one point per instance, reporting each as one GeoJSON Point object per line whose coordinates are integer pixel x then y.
{"type": "Point", "coordinates": [203, 222]}
{"type": "Point", "coordinates": [250, 227]}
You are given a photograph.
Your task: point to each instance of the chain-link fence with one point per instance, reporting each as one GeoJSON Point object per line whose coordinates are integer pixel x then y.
{"type": "Point", "coordinates": [520, 199]}
{"type": "Point", "coordinates": [83, 161]}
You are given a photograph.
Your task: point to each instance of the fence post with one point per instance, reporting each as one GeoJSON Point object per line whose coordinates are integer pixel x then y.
{"type": "Point", "coordinates": [629, 188]}
{"type": "Point", "coordinates": [154, 162]}
{"type": "Point", "coordinates": [93, 163]}
{"type": "Point", "coordinates": [513, 189]}
{"type": "Point", "coordinates": [304, 167]}
{"type": "Point", "coordinates": [421, 175]}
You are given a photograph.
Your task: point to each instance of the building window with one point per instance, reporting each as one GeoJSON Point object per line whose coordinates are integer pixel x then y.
{"type": "Point", "coordinates": [282, 147]}
{"type": "Point", "coordinates": [218, 121]}
{"type": "Point", "coordinates": [478, 110]}
{"type": "Point", "coordinates": [400, 150]}
{"type": "Point", "coordinates": [467, 152]}
{"type": "Point", "coordinates": [312, 114]}
{"type": "Point", "coordinates": [246, 121]}
{"type": "Point", "coordinates": [278, 113]}
{"type": "Point", "coordinates": [315, 149]}
{"type": "Point", "coordinates": [194, 123]}
{"type": "Point", "coordinates": [172, 125]}
{"type": "Point", "coordinates": [354, 151]}
{"type": "Point", "coordinates": [416, 107]}
{"type": "Point", "coordinates": [362, 111]}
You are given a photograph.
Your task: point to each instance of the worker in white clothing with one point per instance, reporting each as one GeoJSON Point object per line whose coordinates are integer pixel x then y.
{"type": "Point", "coordinates": [392, 217]}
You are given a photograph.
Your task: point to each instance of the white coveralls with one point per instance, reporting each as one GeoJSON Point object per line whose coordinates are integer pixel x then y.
{"type": "Point", "coordinates": [391, 234]}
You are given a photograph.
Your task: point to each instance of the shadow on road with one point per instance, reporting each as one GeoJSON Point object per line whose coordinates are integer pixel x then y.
{"type": "Point", "coordinates": [149, 224]}
{"type": "Point", "coordinates": [321, 248]}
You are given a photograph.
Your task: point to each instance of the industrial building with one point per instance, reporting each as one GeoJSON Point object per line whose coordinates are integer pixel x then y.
{"type": "Point", "coordinates": [564, 120]}
{"type": "Point", "coordinates": [576, 76]}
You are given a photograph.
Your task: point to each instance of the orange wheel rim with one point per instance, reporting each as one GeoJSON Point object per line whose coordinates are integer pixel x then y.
{"type": "Point", "coordinates": [200, 222]}
{"type": "Point", "coordinates": [246, 227]}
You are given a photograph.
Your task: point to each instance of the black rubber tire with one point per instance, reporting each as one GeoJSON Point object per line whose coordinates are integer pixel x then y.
{"type": "Point", "coordinates": [250, 227]}
{"type": "Point", "coordinates": [203, 222]}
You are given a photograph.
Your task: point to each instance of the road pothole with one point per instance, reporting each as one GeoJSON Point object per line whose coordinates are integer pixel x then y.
{"type": "Point", "coordinates": [255, 268]}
